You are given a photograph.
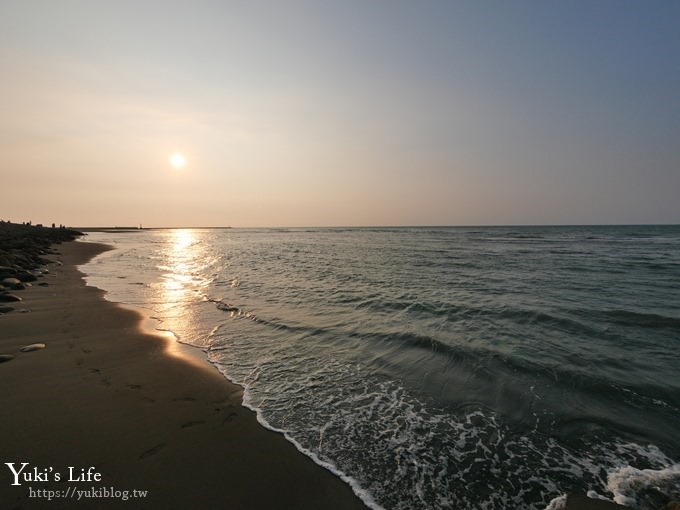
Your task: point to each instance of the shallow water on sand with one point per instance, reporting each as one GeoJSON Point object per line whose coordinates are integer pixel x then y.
{"type": "Point", "coordinates": [437, 367]}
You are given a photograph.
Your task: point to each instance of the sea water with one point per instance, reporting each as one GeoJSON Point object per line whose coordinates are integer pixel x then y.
{"type": "Point", "coordinates": [433, 368]}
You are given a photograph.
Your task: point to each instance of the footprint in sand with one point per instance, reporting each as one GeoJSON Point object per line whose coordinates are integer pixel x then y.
{"type": "Point", "coordinates": [152, 451]}
{"type": "Point", "coordinates": [191, 424]}
{"type": "Point", "coordinates": [229, 418]}
{"type": "Point", "coordinates": [184, 399]}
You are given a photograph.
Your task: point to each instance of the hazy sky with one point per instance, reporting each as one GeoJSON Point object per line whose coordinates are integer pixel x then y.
{"type": "Point", "coordinates": [344, 112]}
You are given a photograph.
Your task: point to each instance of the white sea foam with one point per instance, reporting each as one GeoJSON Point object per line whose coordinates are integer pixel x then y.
{"type": "Point", "coordinates": [558, 503]}
{"type": "Point", "coordinates": [594, 495]}
{"type": "Point", "coordinates": [629, 483]}
{"type": "Point", "coordinates": [361, 493]}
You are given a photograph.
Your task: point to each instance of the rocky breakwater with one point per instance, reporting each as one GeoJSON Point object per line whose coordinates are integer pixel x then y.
{"type": "Point", "coordinates": [22, 250]}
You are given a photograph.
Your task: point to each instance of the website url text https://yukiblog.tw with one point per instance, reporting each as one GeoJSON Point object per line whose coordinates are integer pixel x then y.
{"type": "Point", "coordinates": [90, 493]}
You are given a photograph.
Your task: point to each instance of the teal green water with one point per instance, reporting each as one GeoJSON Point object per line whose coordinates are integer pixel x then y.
{"type": "Point", "coordinates": [438, 367]}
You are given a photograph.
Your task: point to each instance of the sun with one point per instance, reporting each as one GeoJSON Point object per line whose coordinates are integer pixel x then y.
{"type": "Point", "coordinates": [177, 160]}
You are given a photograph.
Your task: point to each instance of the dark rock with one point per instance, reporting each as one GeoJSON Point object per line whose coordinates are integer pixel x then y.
{"type": "Point", "coordinates": [43, 284]}
{"type": "Point", "coordinates": [5, 309]}
{"type": "Point", "coordinates": [32, 347]}
{"type": "Point", "coordinates": [6, 357]}
{"type": "Point", "coordinates": [6, 272]}
{"type": "Point", "coordinates": [26, 276]}
{"type": "Point", "coordinates": [9, 298]}
{"type": "Point", "coordinates": [22, 246]}
{"type": "Point", "coordinates": [13, 283]}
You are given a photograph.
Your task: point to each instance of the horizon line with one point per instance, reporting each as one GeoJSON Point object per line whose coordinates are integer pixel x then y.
{"type": "Point", "coordinates": [281, 227]}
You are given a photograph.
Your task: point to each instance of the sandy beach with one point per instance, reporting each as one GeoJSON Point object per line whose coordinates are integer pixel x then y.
{"type": "Point", "coordinates": [105, 410]}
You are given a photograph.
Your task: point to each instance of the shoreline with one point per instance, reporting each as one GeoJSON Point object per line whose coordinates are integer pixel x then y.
{"type": "Point", "coordinates": [106, 398]}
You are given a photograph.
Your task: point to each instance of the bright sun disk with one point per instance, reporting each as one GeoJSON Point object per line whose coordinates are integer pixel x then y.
{"type": "Point", "coordinates": [177, 160]}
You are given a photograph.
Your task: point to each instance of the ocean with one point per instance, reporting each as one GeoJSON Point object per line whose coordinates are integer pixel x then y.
{"type": "Point", "coordinates": [432, 368]}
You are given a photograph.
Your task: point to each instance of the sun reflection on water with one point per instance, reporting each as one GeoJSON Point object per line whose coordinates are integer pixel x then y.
{"type": "Point", "coordinates": [182, 263]}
